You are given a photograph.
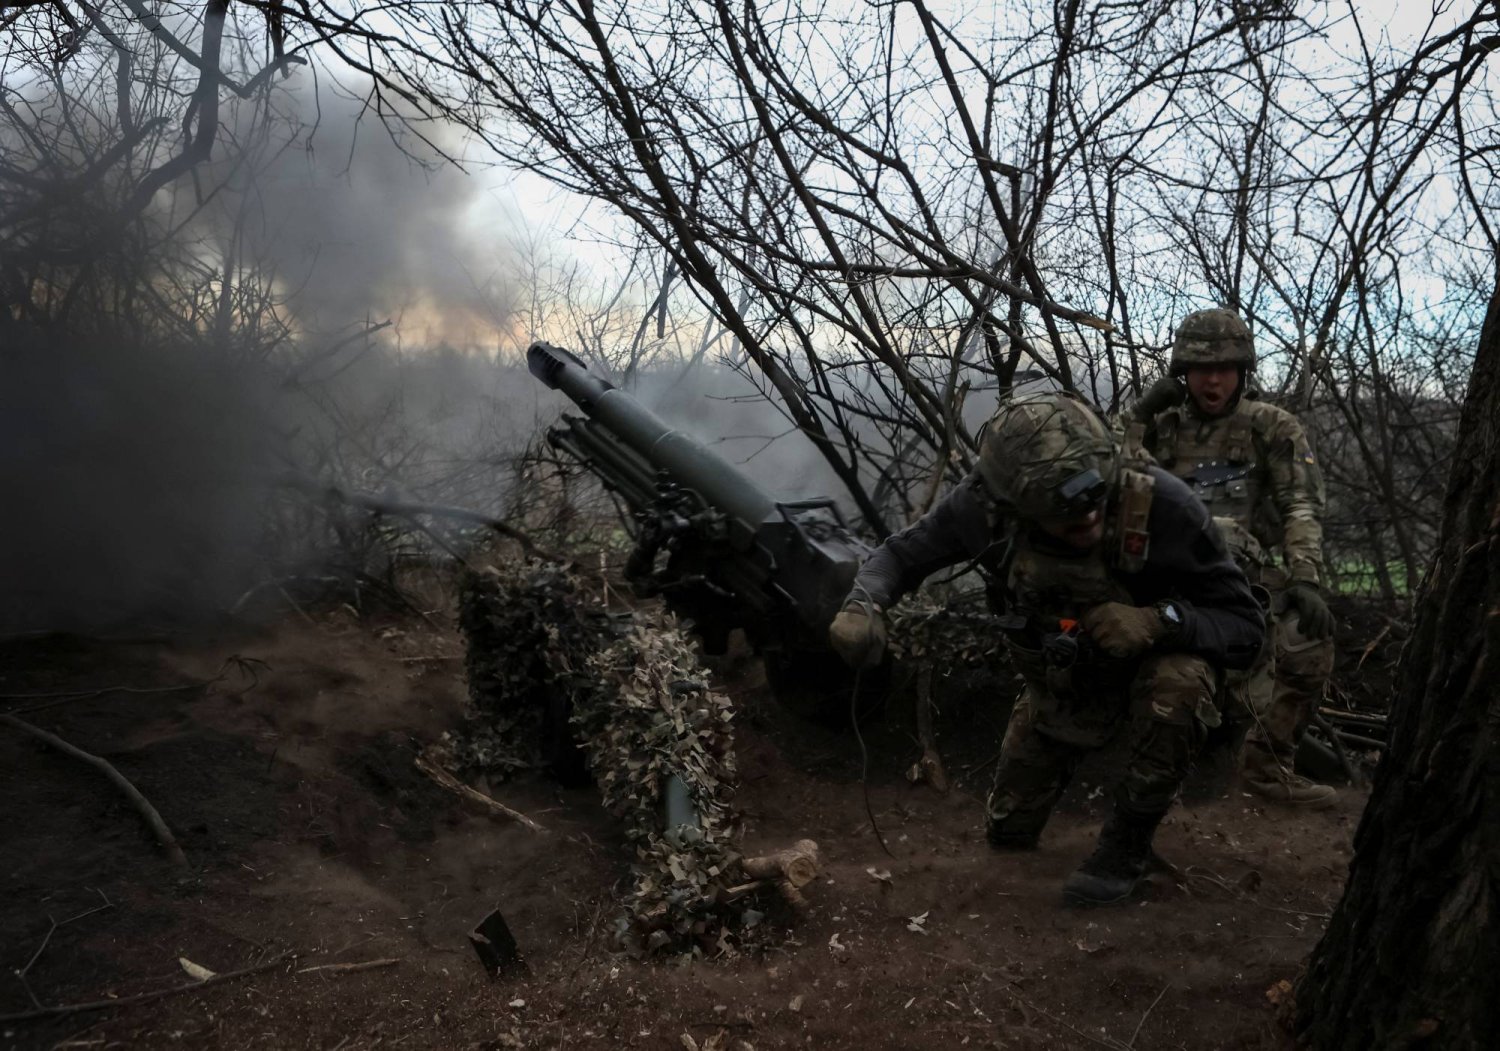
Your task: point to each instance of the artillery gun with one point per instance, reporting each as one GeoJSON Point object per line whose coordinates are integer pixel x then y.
{"type": "Point", "coordinates": [721, 551]}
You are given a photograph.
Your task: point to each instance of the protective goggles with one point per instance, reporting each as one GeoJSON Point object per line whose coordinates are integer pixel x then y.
{"type": "Point", "coordinates": [1080, 494]}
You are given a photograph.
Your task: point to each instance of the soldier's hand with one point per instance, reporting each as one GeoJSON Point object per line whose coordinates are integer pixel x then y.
{"type": "Point", "coordinates": [1159, 397]}
{"type": "Point", "coordinates": [1122, 630]}
{"type": "Point", "coordinates": [1314, 619]}
{"type": "Point", "coordinates": [858, 635]}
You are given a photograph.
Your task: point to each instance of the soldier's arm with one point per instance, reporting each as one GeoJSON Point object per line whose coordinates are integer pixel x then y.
{"type": "Point", "coordinates": [956, 529]}
{"type": "Point", "coordinates": [1190, 564]}
{"type": "Point", "coordinates": [1296, 486]}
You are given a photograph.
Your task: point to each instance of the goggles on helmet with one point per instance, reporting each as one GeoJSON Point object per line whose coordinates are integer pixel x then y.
{"type": "Point", "coordinates": [1080, 493]}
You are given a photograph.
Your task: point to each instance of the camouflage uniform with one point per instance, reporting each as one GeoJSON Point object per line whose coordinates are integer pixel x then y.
{"type": "Point", "coordinates": [1254, 469]}
{"type": "Point", "coordinates": [1159, 549]}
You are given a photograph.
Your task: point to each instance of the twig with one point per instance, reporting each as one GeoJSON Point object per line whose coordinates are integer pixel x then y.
{"type": "Point", "coordinates": [56, 697]}
{"type": "Point", "coordinates": [142, 804]}
{"type": "Point", "coordinates": [930, 766]}
{"type": "Point", "coordinates": [45, 939]}
{"type": "Point", "coordinates": [1295, 912]}
{"type": "Point", "coordinates": [1350, 771]}
{"type": "Point", "coordinates": [409, 509]}
{"type": "Point", "coordinates": [447, 780]}
{"type": "Point", "coordinates": [89, 691]}
{"type": "Point", "coordinates": [1376, 641]}
{"type": "Point", "coordinates": [864, 762]}
{"type": "Point", "coordinates": [1137, 1031]}
{"type": "Point", "coordinates": [1338, 715]}
{"type": "Point", "coordinates": [105, 1005]}
{"type": "Point", "coordinates": [350, 968]}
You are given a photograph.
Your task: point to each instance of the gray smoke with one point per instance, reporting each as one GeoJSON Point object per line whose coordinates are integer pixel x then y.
{"type": "Point", "coordinates": [139, 453]}
{"type": "Point", "coordinates": [363, 219]}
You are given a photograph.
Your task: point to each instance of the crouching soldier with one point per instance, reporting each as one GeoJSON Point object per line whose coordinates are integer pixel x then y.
{"type": "Point", "coordinates": [1119, 604]}
{"type": "Point", "coordinates": [1251, 464]}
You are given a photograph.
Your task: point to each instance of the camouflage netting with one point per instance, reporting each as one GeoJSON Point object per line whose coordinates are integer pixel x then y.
{"type": "Point", "coordinates": [946, 639]}
{"type": "Point", "coordinates": [530, 635]}
{"type": "Point", "coordinates": [644, 711]}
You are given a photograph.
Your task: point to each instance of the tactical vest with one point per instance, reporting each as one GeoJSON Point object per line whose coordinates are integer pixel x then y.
{"type": "Point", "coordinates": [1216, 458]}
{"type": "Point", "coordinates": [1042, 588]}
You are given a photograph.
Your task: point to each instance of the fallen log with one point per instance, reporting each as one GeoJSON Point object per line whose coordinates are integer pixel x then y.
{"type": "Point", "coordinates": [788, 870]}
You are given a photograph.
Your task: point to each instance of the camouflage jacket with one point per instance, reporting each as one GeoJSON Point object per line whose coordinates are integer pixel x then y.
{"type": "Point", "coordinates": [1186, 561]}
{"type": "Point", "coordinates": [1255, 471]}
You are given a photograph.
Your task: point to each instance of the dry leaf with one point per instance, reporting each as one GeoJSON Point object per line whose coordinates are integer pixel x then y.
{"type": "Point", "coordinates": [194, 970]}
{"type": "Point", "coordinates": [1279, 993]}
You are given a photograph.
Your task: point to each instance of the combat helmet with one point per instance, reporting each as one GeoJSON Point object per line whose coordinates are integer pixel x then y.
{"type": "Point", "coordinates": [1047, 456]}
{"type": "Point", "coordinates": [1212, 337]}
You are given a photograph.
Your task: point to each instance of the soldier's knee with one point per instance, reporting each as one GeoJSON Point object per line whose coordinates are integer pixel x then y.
{"type": "Point", "coordinates": [1177, 689]}
{"type": "Point", "coordinates": [1300, 658]}
{"type": "Point", "coordinates": [1159, 761]}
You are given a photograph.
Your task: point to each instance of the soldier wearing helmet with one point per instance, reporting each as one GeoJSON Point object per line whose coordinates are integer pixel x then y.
{"type": "Point", "coordinates": [1251, 464]}
{"type": "Point", "coordinates": [1119, 605]}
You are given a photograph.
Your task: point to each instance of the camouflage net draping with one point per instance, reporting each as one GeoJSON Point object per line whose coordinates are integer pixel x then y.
{"type": "Point", "coordinates": [644, 710]}
{"type": "Point", "coordinates": [945, 638]}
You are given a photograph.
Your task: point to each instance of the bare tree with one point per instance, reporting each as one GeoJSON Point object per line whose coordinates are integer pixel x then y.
{"type": "Point", "coordinates": [1401, 961]}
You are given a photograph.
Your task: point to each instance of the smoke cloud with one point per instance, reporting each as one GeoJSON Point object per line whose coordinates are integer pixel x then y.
{"type": "Point", "coordinates": [358, 219]}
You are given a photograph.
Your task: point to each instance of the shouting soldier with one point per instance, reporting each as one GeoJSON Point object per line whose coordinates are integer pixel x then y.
{"type": "Point", "coordinates": [1251, 464]}
{"type": "Point", "coordinates": [1119, 603]}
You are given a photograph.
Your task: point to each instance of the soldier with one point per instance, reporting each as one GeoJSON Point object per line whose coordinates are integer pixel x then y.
{"type": "Point", "coordinates": [1119, 605]}
{"type": "Point", "coordinates": [1251, 464]}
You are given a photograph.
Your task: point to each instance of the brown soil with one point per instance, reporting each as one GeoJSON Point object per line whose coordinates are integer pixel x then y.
{"type": "Point", "coordinates": [310, 831]}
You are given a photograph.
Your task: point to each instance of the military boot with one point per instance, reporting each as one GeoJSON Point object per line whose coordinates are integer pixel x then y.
{"type": "Point", "coordinates": [1018, 830]}
{"type": "Point", "coordinates": [1111, 873]}
{"type": "Point", "coordinates": [1263, 775]}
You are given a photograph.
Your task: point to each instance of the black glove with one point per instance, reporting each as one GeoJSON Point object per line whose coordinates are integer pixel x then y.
{"type": "Point", "coordinates": [1314, 619]}
{"type": "Point", "coordinates": [1159, 397]}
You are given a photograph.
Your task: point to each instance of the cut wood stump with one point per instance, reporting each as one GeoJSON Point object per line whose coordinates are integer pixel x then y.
{"type": "Point", "coordinates": [788, 870]}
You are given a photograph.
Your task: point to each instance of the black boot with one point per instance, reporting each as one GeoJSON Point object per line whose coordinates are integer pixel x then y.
{"type": "Point", "coordinates": [1113, 870]}
{"type": "Point", "coordinates": [1002, 838]}
{"type": "Point", "coordinates": [1019, 829]}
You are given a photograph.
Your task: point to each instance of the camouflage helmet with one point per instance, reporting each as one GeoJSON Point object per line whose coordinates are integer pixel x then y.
{"type": "Point", "coordinates": [1212, 337]}
{"type": "Point", "coordinates": [1047, 456]}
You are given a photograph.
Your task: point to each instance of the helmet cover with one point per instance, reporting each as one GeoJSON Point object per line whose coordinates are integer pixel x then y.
{"type": "Point", "coordinates": [1047, 456]}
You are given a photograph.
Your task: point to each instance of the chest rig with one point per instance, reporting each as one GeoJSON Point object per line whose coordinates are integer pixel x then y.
{"type": "Point", "coordinates": [1043, 594]}
{"type": "Point", "coordinates": [1037, 588]}
{"type": "Point", "coordinates": [1216, 457]}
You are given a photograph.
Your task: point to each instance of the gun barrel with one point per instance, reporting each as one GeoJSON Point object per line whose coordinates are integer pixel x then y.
{"type": "Point", "coordinates": [715, 478]}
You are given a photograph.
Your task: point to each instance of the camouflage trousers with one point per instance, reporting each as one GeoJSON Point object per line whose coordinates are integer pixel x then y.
{"type": "Point", "coordinates": [1277, 696]}
{"type": "Point", "coordinates": [1166, 703]}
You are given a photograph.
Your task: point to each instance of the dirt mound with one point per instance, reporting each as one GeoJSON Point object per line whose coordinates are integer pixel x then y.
{"type": "Point", "coordinates": [309, 831]}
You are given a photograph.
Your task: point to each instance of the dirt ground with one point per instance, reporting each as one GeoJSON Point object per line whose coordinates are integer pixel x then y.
{"type": "Point", "coordinates": [291, 785]}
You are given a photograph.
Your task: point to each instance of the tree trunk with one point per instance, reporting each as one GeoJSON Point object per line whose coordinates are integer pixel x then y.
{"type": "Point", "coordinates": [1412, 954]}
